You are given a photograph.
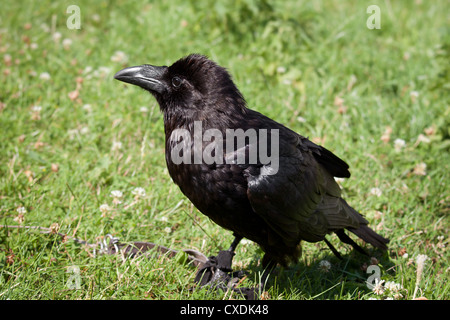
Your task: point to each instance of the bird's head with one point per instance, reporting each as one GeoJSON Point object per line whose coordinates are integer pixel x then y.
{"type": "Point", "coordinates": [193, 84]}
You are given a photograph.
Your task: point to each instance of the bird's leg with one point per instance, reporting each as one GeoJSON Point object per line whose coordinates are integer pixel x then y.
{"type": "Point", "coordinates": [216, 271]}
{"type": "Point", "coordinates": [225, 258]}
{"type": "Point", "coordinates": [235, 243]}
{"type": "Point", "coordinates": [255, 292]}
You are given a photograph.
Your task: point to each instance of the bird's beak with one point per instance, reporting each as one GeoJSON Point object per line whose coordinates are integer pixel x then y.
{"type": "Point", "coordinates": [145, 76]}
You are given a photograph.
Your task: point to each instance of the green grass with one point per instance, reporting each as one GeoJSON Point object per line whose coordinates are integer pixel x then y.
{"type": "Point", "coordinates": [292, 61]}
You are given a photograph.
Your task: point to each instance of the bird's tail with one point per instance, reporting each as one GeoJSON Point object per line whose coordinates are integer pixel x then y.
{"type": "Point", "coordinates": [363, 231]}
{"type": "Point", "coordinates": [370, 236]}
{"type": "Point", "coordinates": [359, 227]}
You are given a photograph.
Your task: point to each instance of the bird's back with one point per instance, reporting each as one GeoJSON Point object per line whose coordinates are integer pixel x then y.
{"type": "Point", "coordinates": [301, 201]}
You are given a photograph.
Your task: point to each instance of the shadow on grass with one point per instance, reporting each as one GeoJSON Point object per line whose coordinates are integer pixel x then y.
{"type": "Point", "coordinates": [309, 279]}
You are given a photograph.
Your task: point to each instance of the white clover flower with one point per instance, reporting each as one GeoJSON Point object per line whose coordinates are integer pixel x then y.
{"type": "Point", "coordinates": [104, 70]}
{"type": "Point", "coordinates": [414, 95]}
{"type": "Point", "coordinates": [105, 208]}
{"type": "Point", "coordinates": [394, 289]}
{"type": "Point", "coordinates": [95, 17]}
{"type": "Point", "coordinates": [420, 169]}
{"type": "Point", "coordinates": [20, 218]}
{"type": "Point", "coordinates": [21, 210]}
{"type": "Point", "coordinates": [164, 219]}
{"type": "Point", "coordinates": [423, 138]}
{"type": "Point", "coordinates": [116, 146]}
{"type": "Point", "coordinates": [324, 266]}
{"type": "Point", "coordinates": [376, 192]}
{"type": "Point", "coordinates": [54, 227]}
{"type": "Point", "coordinates": [36, 109]}
{"type": "Point", "coordinates": [72, 133]}
{"type": "Point", "coordinates": [87, 70]}
{"type": "Point", "coordinates": [87, 108]}
{"type": "Point", "coordinates": [7, 59]}
{"type": "Point", "coordinates": [119, 56]}
{"type": "Point", "coordinates": [33, 46]}
{"type": "Point", "coordinates": [84, 130]}
{"type": "Point", "coordinates": [67, 43]}
{"type": "Point", "coordinates": [399, 144]}
{"type": "Point", "coordinates": [138, 193]}
{"type": "Point", "coordinates": [281, 69]}
{"type": "Point", "coordinates": [44, 76]}
{"type": "Point", "coordinates": [45, 27]}
{"type": "Point", "coordinates": [143, 109]}
{"type": "Point", "coordinates": [56, 36]}
{"type": "Point", "coordinates": [168, 229]}
{"type": "Point", "coordinates": [101, 72]}
{"type": "Point", "coordinates": [420, 259]}
{"type": "Point", "coordinates": [393, 286]}
{"type": "Point", "coordinates": [378, 288]}
{"type": "Point", "coordinates": [117, 196]}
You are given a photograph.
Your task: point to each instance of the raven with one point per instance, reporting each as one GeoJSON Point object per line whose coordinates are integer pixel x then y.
{"type": "Point", "coordinates": [275, 206]}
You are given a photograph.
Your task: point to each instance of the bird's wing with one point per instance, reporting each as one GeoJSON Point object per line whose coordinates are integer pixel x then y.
{"type": "Point", "coordinates": [301, 200]}
{"type": "Point", "coordinates": [333, 164]}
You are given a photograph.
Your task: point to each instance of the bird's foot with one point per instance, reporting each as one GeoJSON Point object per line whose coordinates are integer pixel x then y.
{"type": "Point", "coordinates": [218, 274]}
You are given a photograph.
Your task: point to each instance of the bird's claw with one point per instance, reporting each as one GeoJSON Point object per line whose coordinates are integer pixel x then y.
{"type": "Point", "coordinates": [218, 274]}
{"type": "Point", "coordinates": [216, 270]}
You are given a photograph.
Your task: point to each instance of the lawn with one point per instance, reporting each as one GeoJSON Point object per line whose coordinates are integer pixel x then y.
{"type": "Point", "coordinates": [83, 155]}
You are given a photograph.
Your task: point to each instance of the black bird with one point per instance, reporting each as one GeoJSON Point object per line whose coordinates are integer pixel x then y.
{"type": "Point", "coordinates": [274, 206]}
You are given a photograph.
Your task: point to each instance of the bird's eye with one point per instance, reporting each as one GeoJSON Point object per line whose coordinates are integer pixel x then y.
{"type": "Point", "coordinates": [176, 82]}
